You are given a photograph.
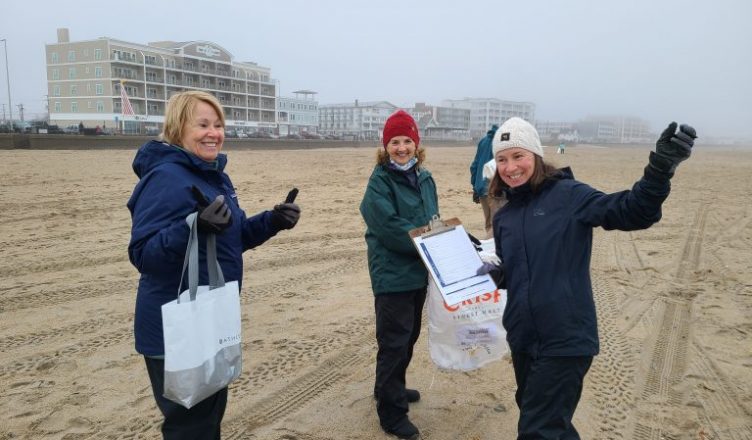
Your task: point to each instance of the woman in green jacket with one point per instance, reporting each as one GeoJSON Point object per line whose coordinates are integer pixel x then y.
{"type": "Point", "coordinates": [401, 195]}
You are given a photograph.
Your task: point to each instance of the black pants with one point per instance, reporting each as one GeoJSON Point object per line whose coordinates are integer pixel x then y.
{"type": "Point", "coordinates": [398, 320]}
{"type": "Point", "coordinates": [548, 390]}
{"type": "Point", "coordinates": [201, 422]}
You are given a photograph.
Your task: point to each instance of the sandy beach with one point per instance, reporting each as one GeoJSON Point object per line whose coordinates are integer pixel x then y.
{"type": "Point", "coordinates": [674, 304]}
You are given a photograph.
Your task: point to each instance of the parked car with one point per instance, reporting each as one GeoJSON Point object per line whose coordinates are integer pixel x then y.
{"type": "Point", "coordinates": [294, 136]}
{"type": "Point", "coordinates": [307, 135]}
{"type": "Point", "coordinates": [71, 129]}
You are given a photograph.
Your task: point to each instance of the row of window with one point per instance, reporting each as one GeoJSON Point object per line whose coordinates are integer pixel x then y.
{"type": "Point", "coordinates": [296, 106]}
{"type": "Point", "coordinates": [55, 57]}
{"type": "Point", "coordinates": [124, 72]}
{"type": "Point", "coordinates": [98, 90]}
{"type": "Point", "coordinates": [58, 106]}
{"type": "Point", "coordinates": [72, 72]}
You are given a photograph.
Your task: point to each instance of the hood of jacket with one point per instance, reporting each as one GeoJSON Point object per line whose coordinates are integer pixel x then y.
{"type": "Point", "coordinates": [155, 153]}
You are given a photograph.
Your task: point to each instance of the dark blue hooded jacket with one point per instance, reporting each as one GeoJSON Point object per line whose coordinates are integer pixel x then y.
{"type": "Point", "coordinates": [159, 235]}
{"type": "Point", "coordinates": [483, 154]}
{"type": "Point", "coordinates": [545, 242]}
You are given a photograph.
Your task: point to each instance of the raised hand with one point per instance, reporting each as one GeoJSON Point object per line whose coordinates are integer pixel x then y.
{"type": "Point", "coordinates": [672, 148]}
{"type": "Point", "coordinates": [285, 216]}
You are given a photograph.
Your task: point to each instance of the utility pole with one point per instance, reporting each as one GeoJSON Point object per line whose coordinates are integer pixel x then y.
{"type": "Point", "coordinates": [7, 78]}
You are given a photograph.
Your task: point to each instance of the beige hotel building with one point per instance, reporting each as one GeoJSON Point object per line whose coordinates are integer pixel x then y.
{"type": "Point", "coordinates": [84, 80]}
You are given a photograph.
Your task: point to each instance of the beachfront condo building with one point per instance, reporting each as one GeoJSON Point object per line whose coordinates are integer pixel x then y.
{"type": "Point", "coordinates": [615, 129]}
{"type": "Point", "coordinates": [484, 112]}
{"type": "Point", "coordinates": [355, 120]}
{"type": "Point", "coordinates": [298, 114]}
{"type": "Point", "coordinates": [365, 120]}
{"type": "Point", "coordinates": [442, 123]}
{"type": "Point", "coordinates": [597, 129]}
{"type": "Point", "coordinates": [124, 86]}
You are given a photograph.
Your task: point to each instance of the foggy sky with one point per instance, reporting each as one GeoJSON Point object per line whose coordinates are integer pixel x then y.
{"type": "Point", "coordinates": [688, 61]}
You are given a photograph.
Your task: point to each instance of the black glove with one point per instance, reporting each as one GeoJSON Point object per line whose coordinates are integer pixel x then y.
{"type": "Point", "coordinates": [672, 148]}
{"type": "Point", "coordinates": [476, 243]}
{"type": "Point", "coordinates": [285, 216]}
{"type": "Point", "coordinates": [213, 217]}
{"type": "Point", "coordinates": [497, 274]}
{"type": "Point", "coordinates": [476, 197]}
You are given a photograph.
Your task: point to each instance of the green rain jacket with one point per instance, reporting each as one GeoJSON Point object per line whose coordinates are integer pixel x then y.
{"type": "Point", "coordinates": [391, 207]}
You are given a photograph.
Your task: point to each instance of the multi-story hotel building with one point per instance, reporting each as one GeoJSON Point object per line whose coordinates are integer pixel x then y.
{"type": "Point", "coordinates": [365, 120]}
{"type": "Point", "coordinates": [299, 114]}
{"type": "Point", "coordinates": [614, 129]}
{"type": "Point", "coordinates": [356, 121]}
{"type": "Point", "coordinates": [553, 130]}
{"type": "Point", "coordinates": [484, 112]}
{"type": "Point", "coordinates": [442, 123]}
{"type": "Point", "coordinates": [84, 80]}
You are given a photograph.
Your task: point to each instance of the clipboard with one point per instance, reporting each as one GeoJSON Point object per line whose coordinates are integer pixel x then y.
{"type": "Point", "coordinates": [451, 259]}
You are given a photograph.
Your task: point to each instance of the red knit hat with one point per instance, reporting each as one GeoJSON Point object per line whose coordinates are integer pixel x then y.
{"type": "Point", "coordinates": [400, 123]}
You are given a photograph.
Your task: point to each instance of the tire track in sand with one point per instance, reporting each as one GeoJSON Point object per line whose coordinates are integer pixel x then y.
{"type": "Point", "coordinates": [613, 369]}
{"type": "Point", "coordinates": [667, 357]}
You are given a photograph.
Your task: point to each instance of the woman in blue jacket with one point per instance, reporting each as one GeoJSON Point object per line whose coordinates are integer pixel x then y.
{"type": "Point", "coordinates": [181, 174]}
{"type": "Point", "coordinates": [543, 236]}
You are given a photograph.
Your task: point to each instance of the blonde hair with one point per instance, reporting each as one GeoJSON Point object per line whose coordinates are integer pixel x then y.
{"type": "Point", "coordinates": [180, 110]}
{"type": "Point", "coordinates": [382, 156]}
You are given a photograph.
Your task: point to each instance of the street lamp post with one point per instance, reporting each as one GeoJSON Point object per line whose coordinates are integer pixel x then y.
{"type": "Point", "coordinates": [7, 78]}
{"type": "Point", "coordinates": [146, 93]}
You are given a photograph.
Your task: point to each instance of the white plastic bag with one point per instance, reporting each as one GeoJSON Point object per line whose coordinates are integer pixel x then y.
{"type": "Point", "coordinates": [468, 335]}
{"type": "Point", "coordinates": [201, 331]}
{"type": "Point", "coordinates": [489, 169]}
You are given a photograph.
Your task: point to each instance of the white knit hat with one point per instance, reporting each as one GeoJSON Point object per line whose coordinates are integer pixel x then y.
{"type": "Point", "coordinates": [517, 133]}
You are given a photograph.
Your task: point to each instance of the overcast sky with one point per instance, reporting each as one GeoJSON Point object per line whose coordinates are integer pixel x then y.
{"type": "Point", "coordinates": [661, 60]}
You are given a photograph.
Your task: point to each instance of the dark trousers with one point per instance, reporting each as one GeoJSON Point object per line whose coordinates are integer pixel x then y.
{"type": "Point", "coordinates": [201, 422]}
{"type": "Point", "coordinates": [398, 321]}
{"type": "Point", "coordinates": [548, 390]}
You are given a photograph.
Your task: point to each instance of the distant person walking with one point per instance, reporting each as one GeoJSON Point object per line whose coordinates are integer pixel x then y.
{"type": "Point", "coordinates": [543, 236]}
{"type": "Point", "coordinates": [400, 196]}
{"type": "Point", "coordinates": [81, 127]}
{"type": "Point", "coordinates": [181, 174]}
{"type": "Point", "coordinates": [479, 183]}
{"type": "Point", "coordinates": [560, 149]}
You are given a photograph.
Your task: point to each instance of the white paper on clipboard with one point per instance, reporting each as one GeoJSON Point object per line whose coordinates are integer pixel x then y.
{"type": "Point", "coordinates": [452, 261]}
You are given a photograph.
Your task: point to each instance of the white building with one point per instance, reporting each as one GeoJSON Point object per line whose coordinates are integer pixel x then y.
{"type": "Point", "coordinates": [356, 121]}
{"type": "Point", "coordinates": [84, 80]}
{"type": "Point", "coordinates": [484, 112]}
{"type": "Point", "coordinates": [614, 129]}
{"type": "Point", "coordinates": [557, 131]}
{"type": "Point", "coordinates": [299, 114]}
{"type": "Point", "coordinates": [442, 123]}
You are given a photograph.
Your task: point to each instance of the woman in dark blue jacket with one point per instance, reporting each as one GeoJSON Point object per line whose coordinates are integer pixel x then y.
{"type": "Point", "coordinates": [543, 236]}
{"type": "Point", "coordinates": [182, 174]}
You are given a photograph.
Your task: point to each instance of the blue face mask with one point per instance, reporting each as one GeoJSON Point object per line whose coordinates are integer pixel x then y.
{"type": "Point", "coordinates": [410, 163]}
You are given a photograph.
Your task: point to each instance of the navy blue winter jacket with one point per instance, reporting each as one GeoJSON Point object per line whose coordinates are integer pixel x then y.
{"type": "Point", "coordinates": [159, 204]}
{"type": "Point", "coordinates": [545, 241]}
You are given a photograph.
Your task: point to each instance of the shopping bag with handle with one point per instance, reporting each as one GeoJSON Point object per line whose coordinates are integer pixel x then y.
{"type": "Point", "coordinates": [201, 329]}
